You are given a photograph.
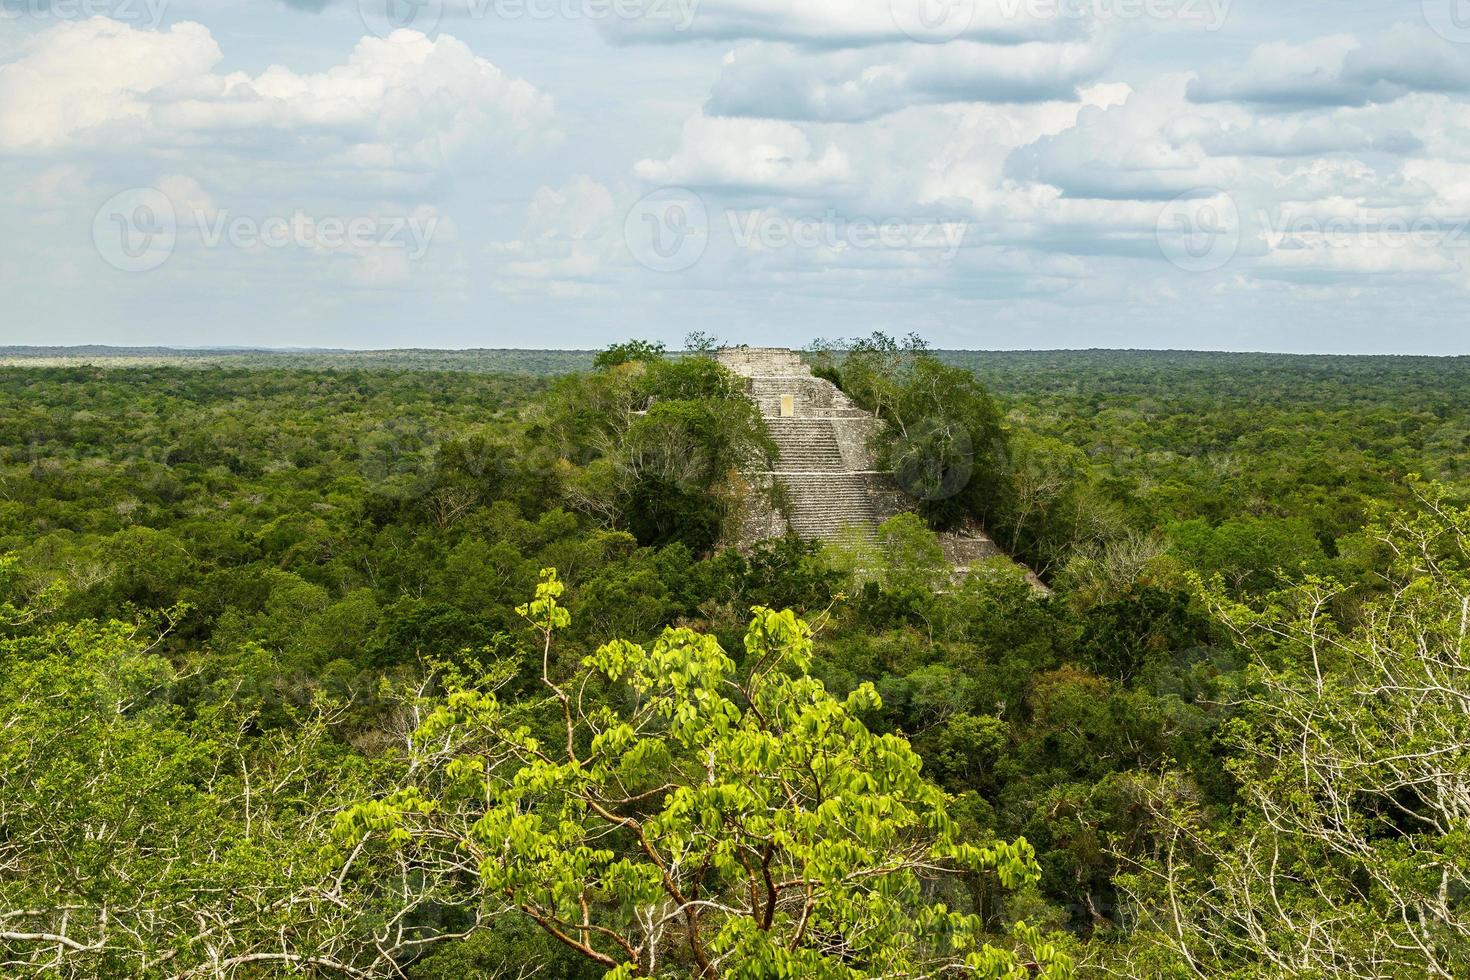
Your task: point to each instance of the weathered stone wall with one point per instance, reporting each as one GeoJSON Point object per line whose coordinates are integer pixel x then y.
{"type": "Point", "coordinates": [751, 361]}
{"type": "Point", "coordinates": [825, 467]}
{"type": "Point", "coordinates": [855, 441]}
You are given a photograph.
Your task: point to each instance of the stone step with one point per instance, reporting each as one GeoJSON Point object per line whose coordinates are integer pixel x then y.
{"type": "Point", "coordinates": [812, 397]}
{"type": "Point", "coordinates": [805, 444]}
{"type": "Point", "coordinates": [763, 361]}
{"type": "Point", "coordinates": [822, 505]}
{"type": "Point", "coordinates": [826, 494]}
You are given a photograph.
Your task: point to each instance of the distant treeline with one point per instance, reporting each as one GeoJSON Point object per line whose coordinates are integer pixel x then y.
{"type": "Point", "coordinates": [535, 362]}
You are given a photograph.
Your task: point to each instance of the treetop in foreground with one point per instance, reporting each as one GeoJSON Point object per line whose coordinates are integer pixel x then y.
{"type": "Point", "coordinates": [705, 819]}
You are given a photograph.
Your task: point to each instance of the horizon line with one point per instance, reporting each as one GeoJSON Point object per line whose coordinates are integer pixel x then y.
{"type": "Point", "coordinates": [60, 349]}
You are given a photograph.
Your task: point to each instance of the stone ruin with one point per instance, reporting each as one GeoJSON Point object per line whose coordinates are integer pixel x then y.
{"type": "Point", "coordinates": [825, 467]}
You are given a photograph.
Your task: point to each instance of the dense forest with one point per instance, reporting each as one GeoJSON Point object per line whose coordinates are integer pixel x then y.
{"type": "Point", "coordinates": [427, 668]}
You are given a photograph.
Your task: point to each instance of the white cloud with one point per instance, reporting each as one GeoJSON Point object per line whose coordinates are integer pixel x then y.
{"type": "Point", "coordinates": [1146, 149]}
{"type": "Point", "coordinates": [1346, 131]}
{"type": "Point", "coordinates": [575, 212]}
{"type": "Point", "coordinates": [1341, 70]}
{"type": "Point", "coordinates": [826, 115]}
{"type": "Point", "coordinates": [749, 156]}
{"type": "Point", "coordinates": [845, 23]}
{"type": "Point", "coordinates": [571, 238]}
{"type": "Point", "coordinates": [951, 159]}
{"type": "Point", "coordinates": [778, 81]}
{"type": "Point", "coordinates": [404, 103]}
{"type": "Point", "coordinates": [92, 78]}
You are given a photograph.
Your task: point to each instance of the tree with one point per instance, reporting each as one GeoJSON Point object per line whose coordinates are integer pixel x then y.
{"type": "Point", "coordinates": [1048, 508]}
{"type": "Point", "coordinates": [702, 822]}
{"type": "Point", "coordinates": [948, 446]}
{"type": "Point", "coordinates": [943, 436]}
{"type": "Point", "coordinates": [701, 342]}
{"type": "Point", "coordinates": [653, 446]}
{"type": "Point", "coordinates": [1247, 551]}
{"type": "Point", "coordinates": [141, 840]}
{"type": "Point", "coordinates": [872, 367]}
{"type": "Point", "coordinates": [627, 352]}
{"type": "Point", "coordinates": [1346, 853]}
{"type": "Point", "coordinates": [1146, 624]}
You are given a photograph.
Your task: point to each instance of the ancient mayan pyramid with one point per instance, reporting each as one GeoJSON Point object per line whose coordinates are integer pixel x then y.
{"type": "Point", "coordinates": [824, 462]}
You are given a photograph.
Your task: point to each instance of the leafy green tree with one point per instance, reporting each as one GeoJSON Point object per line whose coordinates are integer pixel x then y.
{"type": "Point", "coordinates": [782, 573]}
{"type": "Point", "coordinates": [1049, 509]}
{"type": "Point", "coordinates": [1252, 554]}
{"type": "Point", "coordinates": [145, 840]}
{"type": "Point", "coordinates": [943, 436]}
{"type": "Point", "coordinates": [963, 753]}
{"type": "Point", "coordinates": [411, 630]}
{"type": "Point", "coordinates": [691, 377]}
{"type": "Point", "coordinates": [655, 447]}
{"type": "Point", "coordinates": [701, 342]}
{"type": "Point", "coordinates": [870, 369]}
{"type": "Point", "coordinates": [628, 352]}
{"type": "Point", "coordinates": [948, 447]}
{"type": "Point", "coordinates": [1344, 855]}
{"type": "Point", "coordinates": [700, 824]}
{"type": "Point", "coordinates": [149, 566]}
{"type": "Point", "coordinates": [1147, 624]}
{"type": "Point", "coordinates": [1000, 632]}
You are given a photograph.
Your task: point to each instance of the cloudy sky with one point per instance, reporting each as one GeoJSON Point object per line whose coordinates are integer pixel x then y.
{"type": "Point", "coordinates": [1287, 175]}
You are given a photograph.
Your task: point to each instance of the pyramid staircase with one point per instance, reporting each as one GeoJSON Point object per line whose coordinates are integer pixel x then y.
{"type": "Point", "coordinates": [823, 495]}
{"type": "Point", "coordinates": [822, 463]}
